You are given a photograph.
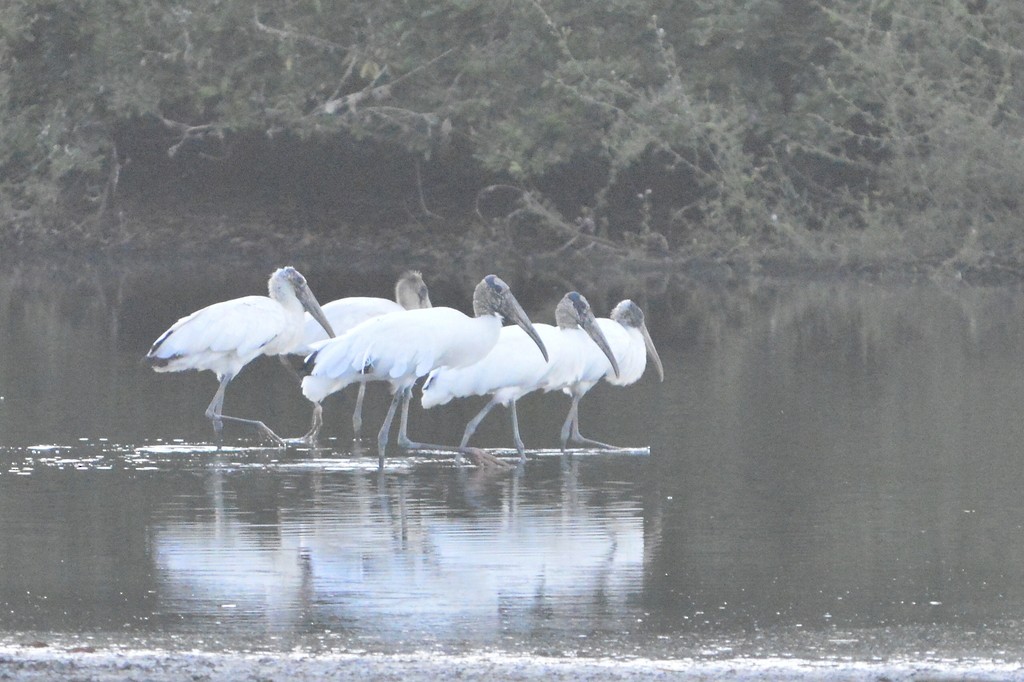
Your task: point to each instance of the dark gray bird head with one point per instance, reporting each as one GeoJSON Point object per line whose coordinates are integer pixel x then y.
{"type": "Point", "coordinates": [574, 311]}
{"type": "Point", "coordinates": [411, 291]}
{"type": "Point", "coordinates": [493, 297]}
{"type": "Point", "coordinates": [288, 282]}
{"type": "Point", "coordinates": [629, 315]}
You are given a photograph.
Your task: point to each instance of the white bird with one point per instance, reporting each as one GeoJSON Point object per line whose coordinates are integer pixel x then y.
{"type": "Point", "coordinates": [402, 347]}
{"type": "Point", "coordinates": [510, 371]}
{"type": "Point", "coordinates": [226, 336]}
{"type": "Point", "coordinates": [343, 314]}
{"type": "Point", "coordinates": [631, 344]}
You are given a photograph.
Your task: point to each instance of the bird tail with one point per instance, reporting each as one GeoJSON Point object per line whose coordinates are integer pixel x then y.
{"type": "Point", "coordinates": [317, 388]}
{"type": "Point", "coordinates": [433, 394]}
{"type": "Point", "coordinates": [309, 363]}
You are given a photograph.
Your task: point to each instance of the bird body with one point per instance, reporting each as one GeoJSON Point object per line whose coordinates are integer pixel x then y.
{"type": "Point", "coordinates": [587, 366]}
{"type": "Point", "coordinates": [344, 313]}
{"type": "Point", "coordinates": [630, 344]}
{"type": "Point", "coordinates": [224, 337]}
{"type": "Point", "coordinates": [627, 344]}
{"type": "Point", "coordinates": [510, 371]}
{"type": "Point", "coordinates": [632, 349]}
{"type": "Point", "coordinates": [404, 346]}
{"type": "Point", "coordinates": [400, 348]}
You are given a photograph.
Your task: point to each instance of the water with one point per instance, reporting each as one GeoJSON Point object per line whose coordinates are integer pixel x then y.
{"type": "Point", "coordinates": [834, 474]}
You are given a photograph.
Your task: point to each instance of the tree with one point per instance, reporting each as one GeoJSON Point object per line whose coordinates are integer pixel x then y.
{"type": "Point", "coordinates": [875, 130]}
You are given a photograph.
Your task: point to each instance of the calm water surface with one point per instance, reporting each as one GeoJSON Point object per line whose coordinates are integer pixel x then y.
{"type": "Point", "coordinates": [835, 470]}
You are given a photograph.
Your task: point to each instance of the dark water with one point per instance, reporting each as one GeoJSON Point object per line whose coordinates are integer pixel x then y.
{"type": "Point", "coordinates": [835, 471]}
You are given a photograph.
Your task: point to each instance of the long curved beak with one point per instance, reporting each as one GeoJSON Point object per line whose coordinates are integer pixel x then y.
{"type": "Point", "coordinates": [515, 313]}
{"type": "Point", "coordinates": [590, 326]}
{"type": "Point", "coordinates": [309, 302]}
{"type": "Point", "coordinates": [652, 352]}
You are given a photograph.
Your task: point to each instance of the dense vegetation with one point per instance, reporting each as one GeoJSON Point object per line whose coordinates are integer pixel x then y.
{"type": "Point", "coordinates": [865, 133]}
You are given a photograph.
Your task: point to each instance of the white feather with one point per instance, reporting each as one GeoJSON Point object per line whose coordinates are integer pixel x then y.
{"type": "Point", "coordinates": [343, 314]}
{"type": "Point", "coordinates": [627, 344]}
{"type": "Point", "coordinates": [400, 347]}
{"type": "Point", "coordinates": [225, 336]}
{"type": "Point", "coordinates": [512, 369]}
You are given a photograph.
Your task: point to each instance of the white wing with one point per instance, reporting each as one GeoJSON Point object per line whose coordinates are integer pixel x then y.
{"type": "Point", "coordinates": [514, 363]}
{"type": "Point", "coordinates": [344, 314]}
{"type": "Point", "coordinates": [410, 342]}
{"type": "Point", "coordinates": [221, 337]}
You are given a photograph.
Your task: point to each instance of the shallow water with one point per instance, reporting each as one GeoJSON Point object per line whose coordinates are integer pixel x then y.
{"type": "Point", "coordinates": [834, 472]}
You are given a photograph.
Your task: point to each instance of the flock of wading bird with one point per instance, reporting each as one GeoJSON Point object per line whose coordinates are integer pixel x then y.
{"type": "Point", "coordinates": [362, 339]}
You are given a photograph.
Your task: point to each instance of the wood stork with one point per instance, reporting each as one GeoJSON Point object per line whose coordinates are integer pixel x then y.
{"type": "Point", "coordinates": [402, 347]}
{"type": "Point", "coordinates": [343, 314]}
{"type": "Point", "coordinates": [226, 336]}
{"type": "Point", "coordinates": [631, 344]}
{"type": "Point", "coordinates": [511, 371]}
{"type": "Point", "coordinates": [410, 294]}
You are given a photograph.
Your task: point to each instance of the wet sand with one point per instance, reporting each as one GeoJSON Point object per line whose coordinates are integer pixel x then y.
{"type": "Point", "coordinates": [46, 663]}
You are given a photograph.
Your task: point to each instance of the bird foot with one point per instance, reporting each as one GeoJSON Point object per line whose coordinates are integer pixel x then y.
{"type": "Point", "coordinates": [267, 435]}
{"type": "Point", "coordinates": [594, 444]}
{"type": "Point", "coordinates": [309, 440]}
{"type": "Point", "coordinates": [486, 460]}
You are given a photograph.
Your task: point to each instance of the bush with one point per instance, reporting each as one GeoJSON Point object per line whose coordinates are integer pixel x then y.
{"type": "Point", "coordinates": [878, 130]}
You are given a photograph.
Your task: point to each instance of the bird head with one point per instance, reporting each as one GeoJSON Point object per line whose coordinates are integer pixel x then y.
{"type": "Point", "coordinates": [288, 281]}
{"type": "Point", "coordinates": [493, 297]}
{"type": "Point", "coordinates": [411, 291]}
{"type": "Point", "coordinates": [630, 316]}
{"type": "Point", "coordinates": [574, 311]}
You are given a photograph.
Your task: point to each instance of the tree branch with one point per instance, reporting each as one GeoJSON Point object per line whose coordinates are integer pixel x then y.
{"type": "Point", "coordinates": [189, 132]}
{"type": "Point", "coordinates": [294, 35]}
{"type": "Point", "coordinates": [353, 99]}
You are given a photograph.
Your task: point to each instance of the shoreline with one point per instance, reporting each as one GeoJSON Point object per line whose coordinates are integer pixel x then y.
{"type": "Point", "coordinates": [45, 662]}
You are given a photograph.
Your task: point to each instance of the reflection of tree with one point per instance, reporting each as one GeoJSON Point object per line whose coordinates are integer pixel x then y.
{"type": "Point", "coordinates": [837, 432]}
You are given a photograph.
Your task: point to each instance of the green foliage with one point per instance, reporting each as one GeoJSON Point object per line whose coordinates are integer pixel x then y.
{"type": "Point", "coordinates": [930, 104]}
{"type": "Point", "coordinates": [863, 130]}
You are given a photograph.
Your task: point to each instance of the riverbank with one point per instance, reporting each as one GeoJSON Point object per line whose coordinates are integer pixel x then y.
{"type": "Point", "coordinates": [43, 663]}
{"type": "Point", "coordinates": [163, 239]}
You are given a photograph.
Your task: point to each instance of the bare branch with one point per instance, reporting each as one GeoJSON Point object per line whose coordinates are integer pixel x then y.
{"type": "Point", "coordinates": [294, 35]}
{"type": "Point", "coordinates": [352, 100]}
{"type": "Point", "coordinates": [190, 132]}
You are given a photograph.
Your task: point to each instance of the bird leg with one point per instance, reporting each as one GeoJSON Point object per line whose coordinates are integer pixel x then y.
{"type": "Point", "coordinates": [315, 425]}
{"type": "Point", "coordinates": [407, 444]}
{"type": "Point", "coordinates": [286, 361]}
{"type": "Point", "coordinates": [475, 422]}
{"type": "Point", "coordinates": [567, 425]}
{"type": "Point", "coordinates": [213, 413]}
{"type": "Point", "coordinates": [514, 416]}
{"type": "Point", "coordinates": [214, 408]}
{"type": "Point", "coordinates": [385, 429]}
{"type": "Point", "coordinates": [403, 425]}
{"type": "Point", "coordinates": [357, 415]}
{"type": "Point", "coordinates": [262, 428]}
{"type": "Point", "coordinates": [577, 437]}
{"type": "Point", "coordinates": [479, 456]}
{"type": "Point", "coordinates": [571, 429]}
